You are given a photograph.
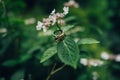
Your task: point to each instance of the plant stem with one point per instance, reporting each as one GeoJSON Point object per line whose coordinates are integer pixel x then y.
{"type": "Point", "coordinates": [4, 9]}
{"type": "Point", "coordinates": [58, 69]}
{"type": "Point", "coordinates": [58, 26]}
{"type": "Point", "coordinates": [53, 71]}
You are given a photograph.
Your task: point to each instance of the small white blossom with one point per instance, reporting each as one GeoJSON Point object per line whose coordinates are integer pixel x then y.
{"type": "Point", "coordinates": [117, 58]}
{"type": "Point", "coordinates": [65, 9]}
{"type": "Point", "coordinates": [95, 75]}
{"type": "Point", "coordinates": [61, 22]}
{"type": "Point", "coordinates": [29, 21]}
{"type": "Point", "coordinates": [52, 19]}
{"type": "Point", "coordinates": [72, 3]}
{"type": "Point", "coordinates": [95, 62]}
{"type": "Point", "coordinates": [44, 28]}
{"type": "Point", "coordinates": [39, 25]}
{"type": "Point", "coordinates": [3, 30]}
{"type": "Point", "coordinates": [105, 55]}
{"type": "Point", "coordinates": [91, 62]}
{"type": "Point", "coordinates": [53, 12]}
{"type": "Point", "coordinates": [100, 62]}
{"type": "Point", "coordinates": [59, 15]}
{"type": "Point", "coordinates": [84, 61]}
{"type": "Point", "coordinates": [46, 22]}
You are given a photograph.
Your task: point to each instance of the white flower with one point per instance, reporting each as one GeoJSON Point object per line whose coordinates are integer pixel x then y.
{"type": "Point", "coordinates": [72, 3]}
{"type": "Point", "coordinates": [61, 22]}
{"type": "Point", "coordinates": [91, 62]}
{"type": "Point", "coordinates": [95, 75]}
{"type": "Point", "coordinates": [105, 55]}
{"type": "Point", "coordinates": [39, 25]}
{"type": "Point", "coordinates": [53, 12]}
{"type": "Point", "coordinates": [59, 15]}
{"type": "Point", "coordinates": [44, 28]}
{"type": "Point", "coordinates": [95, 62]}
{"type": "Point", "coordinates": [46, 22]}
{"type": "Point", "coordinates": [53, 19]}
{"type": "Point", "coordinates": [117, 58]}
{"type": "Point", "coordinates": [30, 21]}
{"type": "Point", "coordinates": [3, 30]}
{"type": "Point", "coordinates": [100, 62]}
{"type": "Point", "coordinates": [84, 61]}
{"type": "Point", "coordinates": [65, 9]}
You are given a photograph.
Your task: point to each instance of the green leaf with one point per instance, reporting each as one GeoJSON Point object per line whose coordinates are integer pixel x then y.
{"type": "Point", "coordinates": [10, 63]}
{"type": "Point", "coordinates": [2, 78]}
{"type": "Point", "coordinates": [87, 41]}
{"type": "Point", "coordinates": [68, 52]}
{"type": "Point", "coordinates": [48, 53]}
{"type": "Point", "coordinates": [25, 57]}
{"type": "Point", "coordinates": [68, 27]}
{"type": "Point", "coordinates": [19, 75]}
{"type": "Point", "coordinates": [70, 18]}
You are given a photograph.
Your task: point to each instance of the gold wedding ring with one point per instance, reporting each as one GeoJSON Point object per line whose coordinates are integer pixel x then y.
{"type": "Point", "coordinates": [59, 35]}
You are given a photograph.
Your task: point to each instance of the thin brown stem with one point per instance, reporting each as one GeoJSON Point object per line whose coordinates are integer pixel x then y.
{"type": "Point", "coordinates": [53, 67]}
{"type": "Point", "coordinates": [53, 71]}
{"type": "Point", "coordinates": [58, 69]}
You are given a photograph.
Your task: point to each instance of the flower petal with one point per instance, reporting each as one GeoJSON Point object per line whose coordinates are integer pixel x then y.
{"type": "Point", "coordinates": [39, 25]}
{"type": "Point", "coordinates": [53, 12]}
{"type": "Point", "coordinates": [44, 29]}
{"type": "Point", "coordinates": [65, 9]}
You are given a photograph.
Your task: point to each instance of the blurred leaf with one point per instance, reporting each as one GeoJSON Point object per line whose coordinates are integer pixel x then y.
{"type": "Point", "coordinates": [82, 77]}
{"type": "Point", "coordinates": [29, 54]}
{"type": "Point", "coordinates": [68, 27]}
{"type": "Point", "coordinates": [33, 48]}
{"type": "Point", "coordinates": [5, 42]}
{"type": "Point", "coordinates": [49, 53]}
{"type": "Point", "coordinates": [19, 75]}
{"type": "Point", "coordinates": [68, 52]}
{"type": "Point", "coordinates": [70, 18]}
{"type": "Point", "coordinates": [2, 79]}
{"type": "Point", "coordinates": [10, 63]}
{"type": "Point", "coordinates": [25, 57]}
{"type": "Point", "coordinates": [87, 41]}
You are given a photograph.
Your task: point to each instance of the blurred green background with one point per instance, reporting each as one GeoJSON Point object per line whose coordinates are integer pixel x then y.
{"type": "Point", "coordinates": [21, 45]}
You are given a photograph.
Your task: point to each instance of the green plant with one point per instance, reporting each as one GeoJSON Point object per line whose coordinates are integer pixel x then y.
{"type": "Point", "coordinates": [66, 48]}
